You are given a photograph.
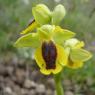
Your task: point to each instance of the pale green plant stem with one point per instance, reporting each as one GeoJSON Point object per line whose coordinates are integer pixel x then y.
{"type": "Point", "coordinates": [58, 84]}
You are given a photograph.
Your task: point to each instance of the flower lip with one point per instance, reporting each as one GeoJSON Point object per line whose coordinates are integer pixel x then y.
{"type": "Point", "coordinates": [49, 54]}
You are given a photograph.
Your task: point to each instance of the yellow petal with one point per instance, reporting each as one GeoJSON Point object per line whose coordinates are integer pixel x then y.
{"type": "Point", "coordinates": [74, 43]}
{"type": "Point", "coordinates": [79, 44]}
{"type": "Point", "coordinates": [38, 57]}
{"type": "Point", "coordinates": [45, 71]}
{"type": "Point", "coordinates": [61, 55]}
{"type": "Point", "coordinates": [58, 68]}
{"type": "Point", "coordinates": [75, 65]}
{"type": "Point", "coordinates": [71, 42]}
{"type": "Point", "coordinates": [30, 28]}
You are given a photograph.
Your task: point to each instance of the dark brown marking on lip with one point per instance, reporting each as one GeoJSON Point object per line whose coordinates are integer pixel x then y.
{"type": "Point", "coordinates": [49, 54]}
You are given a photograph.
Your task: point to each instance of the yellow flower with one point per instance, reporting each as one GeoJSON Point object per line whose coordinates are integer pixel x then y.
{"type": "Point", "coordinates": [76, 55]}
{"type": "Point", "coordinates": [49, 52]}
{"type": "Point", "coordinates": [50, 57]}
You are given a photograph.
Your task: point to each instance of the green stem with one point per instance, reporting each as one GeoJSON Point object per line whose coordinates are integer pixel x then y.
{"type": "Point", "coordinates": [58, 84]}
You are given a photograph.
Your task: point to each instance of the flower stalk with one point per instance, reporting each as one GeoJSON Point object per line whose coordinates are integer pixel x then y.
{"type": "Point", "coordinates": [58, 84]}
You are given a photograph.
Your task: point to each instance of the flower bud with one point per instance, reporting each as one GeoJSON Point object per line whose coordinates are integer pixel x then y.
{"type": "Point", "coordinates": [58, 14]}
{"type": "Point", "coordinates": [42, 14]}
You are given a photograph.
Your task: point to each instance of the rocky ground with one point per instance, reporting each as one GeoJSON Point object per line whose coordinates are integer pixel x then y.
{"type": "Point", "coordinates": [21, 77]}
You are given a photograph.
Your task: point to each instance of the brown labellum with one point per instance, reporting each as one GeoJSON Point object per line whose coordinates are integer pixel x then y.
{"type": "Point", "coordinates": [49, 53]}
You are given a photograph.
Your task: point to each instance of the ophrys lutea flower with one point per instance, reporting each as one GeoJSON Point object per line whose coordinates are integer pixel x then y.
{"type": "Point", "coordinates": [54, 47]}
{"type": "Point", "coordinates": [47, 41]}
{"type": "Point", "coordinates": [76, 54]}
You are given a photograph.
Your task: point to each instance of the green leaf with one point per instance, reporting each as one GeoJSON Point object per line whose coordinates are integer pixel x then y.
{"type": "Point", "coordinates": [62, 35]}
{"type": "Point", "coordinates": [80, 55]}
{"type": "Point", "coordinates": [28, 40]}
{"type": "Point", "coordinates": [58, 14]}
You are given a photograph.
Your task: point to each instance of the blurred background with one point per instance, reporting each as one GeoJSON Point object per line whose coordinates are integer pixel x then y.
{"type": "Point", "coordinates": [18, 76]}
